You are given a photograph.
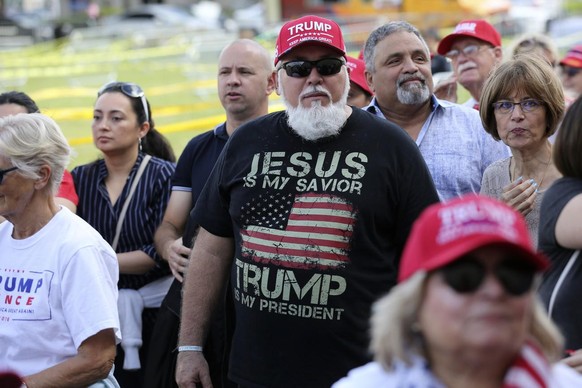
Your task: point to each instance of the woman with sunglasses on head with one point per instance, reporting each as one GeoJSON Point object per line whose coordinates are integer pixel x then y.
{"type": "Point", "coordinates": [127, 179]}
{"type": "Point", "coordinates": [560, 235]}
{"type": "Point", "coordinates": [58, 277]}
{"type": "Point", "coordinates": [465, 312]}
{"type": "Point", "coordinates": [14, 102]}
{"type": "Point", "coordinates": [522, 105]}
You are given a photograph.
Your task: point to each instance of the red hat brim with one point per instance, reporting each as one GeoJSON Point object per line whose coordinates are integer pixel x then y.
{"type": "Point", "coordinates": [572, 62]}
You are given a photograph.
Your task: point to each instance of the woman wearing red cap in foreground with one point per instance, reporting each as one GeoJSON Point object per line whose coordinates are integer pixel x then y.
{"type": "Point", "coordinates": [465, 311]}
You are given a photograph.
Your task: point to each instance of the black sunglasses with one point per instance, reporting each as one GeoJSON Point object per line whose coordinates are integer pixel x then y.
{"type": "Point", "coordinates": [301, 68]}
{"type": "Point", "coordinates": [130, 90]}
{"type": "Point", "coordinates": [4, 172]}
{"type": "Point", "coordinates": [466, 275]}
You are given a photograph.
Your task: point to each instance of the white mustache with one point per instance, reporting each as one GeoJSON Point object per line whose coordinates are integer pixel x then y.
{"type": "Point", "coordinates": [466, 65]}
{"type": "Point", "coordinates": [315, 89]}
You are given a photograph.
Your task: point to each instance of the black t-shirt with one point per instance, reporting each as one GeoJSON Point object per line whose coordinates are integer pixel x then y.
{"type": "Point", "coordinates": [193, 168]}
{"type": "Point", "coordinates": [318, 228]}
{"type": "Point", "coordinates": [567, 313]}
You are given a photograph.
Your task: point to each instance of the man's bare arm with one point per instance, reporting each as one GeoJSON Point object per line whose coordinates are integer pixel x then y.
{"type": "Point", "coordinates": [206, 277]}
{"type": "Point", "coordinates": [168, 237]}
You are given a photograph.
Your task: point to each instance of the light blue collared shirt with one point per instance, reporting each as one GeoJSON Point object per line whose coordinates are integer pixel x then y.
{"type": "Point", "coordinates": [455, 147]}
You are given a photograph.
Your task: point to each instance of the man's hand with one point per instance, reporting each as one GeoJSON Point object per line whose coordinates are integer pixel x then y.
{"type": "Point", "coordinates": [177, 255]}
{"type": "Point", "coordinates": [446, 89]}
{"type": "Point", "coordinates": [192, 368]}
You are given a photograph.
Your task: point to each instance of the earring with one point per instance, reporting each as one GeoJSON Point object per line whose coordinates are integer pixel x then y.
{"type": "Point", "coordinates": [139, 142]}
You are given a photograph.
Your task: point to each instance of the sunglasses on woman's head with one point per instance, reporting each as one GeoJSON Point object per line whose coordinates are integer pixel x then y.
{"type": "Point", "coordinates": [302, 68]}
{"type": "Point", "coordinates": [129, 89]}
{"type": "Point", "coordinates": [467, 275]}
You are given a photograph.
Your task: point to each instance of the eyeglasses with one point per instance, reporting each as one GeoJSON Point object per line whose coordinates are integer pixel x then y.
{"type": "Point", "coordinates": [130, 90]}
{"type": "Point", "coordinates": [469, 51]}
{"type": "Point", "coordinates": [571, 71]}
{"type": "Point", "coordinates": [466, 275]}
{"type": "Point", "coordinates": [4, 172]}
{"type": "Point", "coordinates": [527, 106]}
{"type": "Point", "coordinates": [301, 68]}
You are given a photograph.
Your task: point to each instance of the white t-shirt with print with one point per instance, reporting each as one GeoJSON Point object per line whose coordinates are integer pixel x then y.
{"type": "Point", "coordinates": [57, 288]}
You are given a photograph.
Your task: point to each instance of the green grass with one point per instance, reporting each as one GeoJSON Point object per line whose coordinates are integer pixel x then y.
{"type": "Point", "coordinates": [179, 84]}
{"type": "Point", "coordinates": [572, 7]}
{"type": "Point", "coordinates": [178, 77]}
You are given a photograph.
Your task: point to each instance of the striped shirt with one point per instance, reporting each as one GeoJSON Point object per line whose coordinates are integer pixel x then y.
{"type": "Point", "coordinates": [144, 214]}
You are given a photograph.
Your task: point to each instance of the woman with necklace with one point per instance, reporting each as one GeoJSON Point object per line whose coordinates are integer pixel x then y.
{"type": "Point", "coordinates": [522, 104]}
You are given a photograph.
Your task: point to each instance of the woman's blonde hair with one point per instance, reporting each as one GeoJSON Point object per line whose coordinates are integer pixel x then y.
{"type": "Point", "coordinates": [397, 336]}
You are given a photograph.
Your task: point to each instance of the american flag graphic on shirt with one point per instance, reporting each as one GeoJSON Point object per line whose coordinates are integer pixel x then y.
{"type": "Point", "coordinates": [298, 231]}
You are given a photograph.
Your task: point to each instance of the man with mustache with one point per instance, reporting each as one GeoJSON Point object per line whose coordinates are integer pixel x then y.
{"type": "Point", "coordinates": [314, 203]}
{"type": "Point", "coordinates": [451, 138]}
{"type": "Point", "coordinates": [474, 49]}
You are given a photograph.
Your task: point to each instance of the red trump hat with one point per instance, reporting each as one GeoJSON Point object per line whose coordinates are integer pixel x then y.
{"type": "Point", "coordinates": [573, 57]}
{"type": "Point", "coordinates": [309, 29]}
{"type": "Point", "coordinates": [357, 76]}
{"type": "Point", "coordinates": [478, 29]}
{"type": "Point", "coordinates": [445, 232]}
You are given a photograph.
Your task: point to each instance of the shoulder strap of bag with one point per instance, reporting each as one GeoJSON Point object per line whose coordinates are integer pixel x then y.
{"type": "Point", "coordinates": [138, 175]}
{"type": "Point", "coordinates": [563, 275]}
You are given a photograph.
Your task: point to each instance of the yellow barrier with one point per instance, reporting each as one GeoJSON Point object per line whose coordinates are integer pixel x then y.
{"type": "Point", "coordinates": [52, 63]}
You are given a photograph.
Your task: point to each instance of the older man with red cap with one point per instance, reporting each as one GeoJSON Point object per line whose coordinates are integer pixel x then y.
{"type": "Point", "coordinates": [307, 210]}
{"type": "Point", "coordinates": [474, 48]}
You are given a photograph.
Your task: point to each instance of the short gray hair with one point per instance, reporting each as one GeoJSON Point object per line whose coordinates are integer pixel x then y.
{"type": "Point", "coordinates": [382, 32]}
{"type": "Point", "coordinates": [33, 140]}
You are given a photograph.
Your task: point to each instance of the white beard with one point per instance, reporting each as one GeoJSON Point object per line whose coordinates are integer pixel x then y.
{"type": "Point", "coordinates": [317, 121]}
{"type": "Point", "coordinates": [412, 94]}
